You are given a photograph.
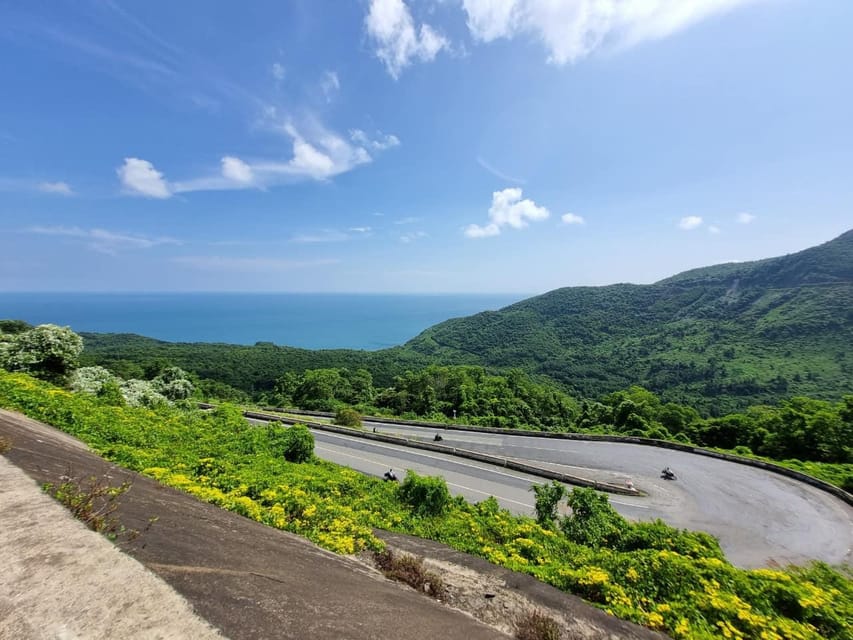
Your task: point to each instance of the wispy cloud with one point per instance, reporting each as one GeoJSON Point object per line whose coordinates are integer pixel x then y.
{"type": "Point", "coordinates": [507, 210]}
{"type": "Point", "coordinates": [497, 173]}
{"type": "Point", "coordinates": [326, 235]}
{"type": "Point", "coordinates": [104, 241]}
{"type": "Point", "coordinates": [745, 218]}
{"type": "Point", "coordinates": [406, 238]}
{"type": "Point", "coordinates": [43, 186]}
{"type": "Point", "coordinates": [251, 264]}
{"type": "Point", "coordinates": [572, 29]}
{"type": "Point", "coordinates": [330, 84]}
{"type": "Point", "coordinates": [60, 188]}
{"type": "Point", "coordinates": [571, 218]}
{"type": "Point", "coordinates": [398, 42]}
{"type": "Point", "coordinates": [380, 142]}
{"type": "Point", "coordinates": [407, 220]}
{"type": "Point", "coordinates": [277, 71]}
{"type": "Point", "coordinates": [713, 229]}
{"type": "Point", "coordinates": [688, 223]}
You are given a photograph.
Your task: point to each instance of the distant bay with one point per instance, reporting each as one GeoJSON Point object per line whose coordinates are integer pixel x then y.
{"type": "Point", "coordinates": [310, 321]}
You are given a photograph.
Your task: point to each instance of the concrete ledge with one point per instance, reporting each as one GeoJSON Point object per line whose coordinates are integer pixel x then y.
{"type": "Point", "coordinates": [453, 451]}
{"type": "Point", "coordinates": [650, 442]}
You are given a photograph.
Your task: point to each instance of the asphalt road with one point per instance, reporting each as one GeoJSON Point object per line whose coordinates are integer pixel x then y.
{"type": "Point", "coordinates": [760, 518]}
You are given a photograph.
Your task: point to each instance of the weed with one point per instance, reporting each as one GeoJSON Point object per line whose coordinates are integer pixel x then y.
{"type": "Point", "coordinates": [94, 503]}
{"type": "Point", "coordinates": [5, 444]}
{"type": "Point", "coordinates": [410, 570]}
{"type": "Point", "coordinates": [535, 625]}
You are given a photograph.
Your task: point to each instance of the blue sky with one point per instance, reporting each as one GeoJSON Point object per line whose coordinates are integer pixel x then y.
{"type": "Point", "coordinates": [416, 146]}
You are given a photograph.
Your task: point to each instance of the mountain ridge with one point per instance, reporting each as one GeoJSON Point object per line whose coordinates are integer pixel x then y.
{"type": "Point", "coordinates": [747, 331]}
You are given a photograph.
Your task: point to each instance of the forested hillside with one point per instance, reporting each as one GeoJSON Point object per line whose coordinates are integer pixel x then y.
{"type": "Point", "coordinates": [718, 338]}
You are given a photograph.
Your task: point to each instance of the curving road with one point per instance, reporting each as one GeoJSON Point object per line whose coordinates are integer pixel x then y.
{"type": "Point", "coordinates": [760, 518]}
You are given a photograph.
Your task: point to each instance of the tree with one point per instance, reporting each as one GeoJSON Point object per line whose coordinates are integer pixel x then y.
{"type": "Point", "coordinates": [593, 522]}
{"type": "Point", "coordinates": [47, 351]}
{"type": "Point", "coordinates": [548, 496]}
{"type": "Point", "coordinates": [173, 383]}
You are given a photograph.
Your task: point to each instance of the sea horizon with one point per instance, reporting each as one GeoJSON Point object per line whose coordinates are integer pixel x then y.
{"type": "Point", "coordinates": [312, 320]}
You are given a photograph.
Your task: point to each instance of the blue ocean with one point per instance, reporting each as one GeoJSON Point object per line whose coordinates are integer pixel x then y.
{"type": "Point", "coordinates": [311, 321]}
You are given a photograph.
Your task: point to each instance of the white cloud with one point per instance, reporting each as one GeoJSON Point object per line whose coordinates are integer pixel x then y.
{"type": "Point", "coordinates": [508, 209]}
{"type": "Point", "coordinates": [412, 236]}
{"type": "Point", "coordinates": [104, 241]}
{"type": "Point", "coordinates": [391, 26]}
{"type": "Point", "coordinates": [745, 218]}
{"type": "Point", "coordinates": [61, 188]}
{"type": "Point", "coordinates": [139, 177]}
{"type": "Point", "coordinates": [380, 143]}
{"type": "Point", "coordinates": [571, 218]}
{"type": "Point", "coordinates": [572, 29]}
{"type": "Point", "coordinates": [330, 84]}
{"type": "Point", "coordinates": [237, 170]}
{"type": "Point", "coordinates": [360, 229]}
{"type": "Point", "coordinates": [714, 229]}
{"type": "Point", "coordinates": [277, 70]}
{"type": "Point", "coordinates": [689, 222]}
{"type": "Point", "coordinates": [476, 231]}
{"type": "Point", "coordinates": [253, 264]}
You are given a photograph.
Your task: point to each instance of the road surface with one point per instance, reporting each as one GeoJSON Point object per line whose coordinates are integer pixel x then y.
{"type": "Point", "coordinates": [760, 518]}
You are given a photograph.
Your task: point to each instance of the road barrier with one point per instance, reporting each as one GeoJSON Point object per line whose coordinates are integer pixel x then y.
{"type": "Point", "coordinates": [650, 442]}
{"type": "Point", "coordinates": [448, 450]}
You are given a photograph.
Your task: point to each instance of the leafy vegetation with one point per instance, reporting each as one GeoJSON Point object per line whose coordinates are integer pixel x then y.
{"type": "Point", "coordinates": [667, 579]}
{"type": "Point", "coordinates": [718, 339]}
{"type": "Point", "coordinates": [94, 502]}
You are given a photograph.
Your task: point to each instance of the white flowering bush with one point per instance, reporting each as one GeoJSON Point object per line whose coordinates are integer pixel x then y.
{"type": "Point", "coordinates": [91, 380]}
{"type": "Point", "coordinates": [46, 351]}
{"type": "Point", "coordinates": [141, 393]}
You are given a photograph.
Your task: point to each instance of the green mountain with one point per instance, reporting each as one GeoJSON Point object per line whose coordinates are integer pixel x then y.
{"type": "Point", "coordinates": [718, 338]}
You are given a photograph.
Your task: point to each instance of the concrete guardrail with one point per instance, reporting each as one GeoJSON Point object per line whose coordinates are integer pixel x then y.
{"type": "Point", "coordinates": [651, 442]}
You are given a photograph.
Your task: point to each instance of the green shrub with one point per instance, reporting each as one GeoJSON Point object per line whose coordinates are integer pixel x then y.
{"type": "Point", "coordinates": [348, 417]}
{"type": "Point", "coordinates": [294, 444]}
{"type": "Point", "coordinates": [427, 495]}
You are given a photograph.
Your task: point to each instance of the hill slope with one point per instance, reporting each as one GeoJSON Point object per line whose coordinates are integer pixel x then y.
{"type": "Point", "coordinates": [718, 338]}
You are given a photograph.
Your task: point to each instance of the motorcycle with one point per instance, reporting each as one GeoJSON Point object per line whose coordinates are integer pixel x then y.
{"type": "Point", "coordinates": [390, 476]}
{"type": "Point", "coordinates": [667, 474]}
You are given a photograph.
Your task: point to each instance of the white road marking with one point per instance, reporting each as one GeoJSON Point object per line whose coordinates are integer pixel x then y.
{"type": "Point", "coordinates": [420, 452]}
{"type": "Point", "coordinates": [451, 484]}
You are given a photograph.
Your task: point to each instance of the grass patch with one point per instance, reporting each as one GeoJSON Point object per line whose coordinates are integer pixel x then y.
{"type": "Point", "coordinates": [410, 570]}
{"type": "Point", "coordinates": [535, 625]}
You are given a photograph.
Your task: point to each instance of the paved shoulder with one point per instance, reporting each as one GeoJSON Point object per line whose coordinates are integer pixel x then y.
{"type": "Point", "coordinates": [61, 580]}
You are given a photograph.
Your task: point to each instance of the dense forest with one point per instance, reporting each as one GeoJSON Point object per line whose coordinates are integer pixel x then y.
{"type": "Point", "coordinates": [719, 338]}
